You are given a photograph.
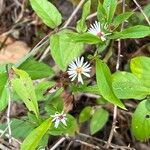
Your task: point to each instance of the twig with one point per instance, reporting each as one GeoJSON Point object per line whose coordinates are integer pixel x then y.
{"type": "Point", "coordinates": [103, 141]}
{"type": "Point", "coordinates": [3, 133]}
{"type": "Point", "coordinates": [74, 13]}
{"type": "Point", "coordinates": [44, 54]}
{"type": "Point", "coordinates": [58, 143]}
{"type": "Point", "coordinates": [7, 135]}
{"type": "Point", "coordinates": [87, 144]}
{"type": "Point", "coordinates": [9, 104]}
{"type": "Point", "coordinates": [117, 68]}
{"type": "Point", "coordinates": [140, 8]}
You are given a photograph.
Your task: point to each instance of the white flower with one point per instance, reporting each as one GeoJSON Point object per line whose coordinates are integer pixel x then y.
{"type": "Point", "coordinates": [95, 29]}
{"type": "Point", "coordinates": [59, 118]}
{"type": "Point", "coordinates": [77, 67]}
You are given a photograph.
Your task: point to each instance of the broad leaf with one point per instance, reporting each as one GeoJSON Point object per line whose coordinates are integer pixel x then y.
{"type": "Point", "coordinates": [47, 12]}
{"type": "Point", "coordinates": [140, 66]}
{"type": "Point", "coordinates": [98, 120]}
{"type": "Point", "coordinates": [63, 49]}
{"type": "Point", "coordinates": [19, 128]}
{"type": "Point", "coordinates": [127, 86]}
{"type": "Point", "coordinates": [138, 31]}
{"type": "Point", "coordinates": [36, 70]}
{"type": "Point", "coordinates": [25, 90]}
{"type": "Point", "coordinates": [33, 139]}
{"type": "Point", "coordinates": [85, 114]}
{"type": "Point", "coordinates": [141, 121]}
{"type": "Point", "coordinates": [104, 82]}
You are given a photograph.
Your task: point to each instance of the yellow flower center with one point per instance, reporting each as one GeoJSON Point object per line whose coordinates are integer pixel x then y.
{"type": "Point", "coordinates": [79, 70]}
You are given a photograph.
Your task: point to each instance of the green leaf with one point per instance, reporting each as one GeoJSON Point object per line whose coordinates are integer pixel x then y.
{"type": "Point", "coordinates": [110, 7]}
{"type": "Point", "coordinates": [55, 105]}
{"type": "Point", "coordinates": [84, 38]}
{"type": "Point", "coordinates": [138, 31]}
{"type": "Point", "coordinates": [3, 80]}
{"type": "Point", "coordinates": [3, 91]}
{"type": "Point", "coordinates": [41, 89]}
{"type": "Point", "coordinates": [70, 129]}
{"type": "Point", "coordinates": [98, 120]}
{"type": "Point", "coordinates": [141, 121]}
{"type": "Point", "coordinates": [47, 12]}
{"type": "Point", "coordinates": [25, 90]}
{"type": "Point", "coordinates": [120, 18]}
{"type": "Point", "coordinates": [63, 49]}
{"type": "Point", "coordinates": [101, 14]}
{"type": "Point", "coordinates": [140, 66]}
{"type": "Point", "coordinates": [33, 139]}
{"type": "Point", "coordinates": [127, 86]}
{"type": "Point", "coordinates": [36, 70]}
{"type": "Point", "coordinates": [85, 114]}
{"type": "Point", "coordinates": [19, 128]}
{"type": "Point", "coordinates": [81, 25]}
{"type": "Point", "coordinates": [3, 99]}
{"type": "Point", "coordinates": [104, 82]}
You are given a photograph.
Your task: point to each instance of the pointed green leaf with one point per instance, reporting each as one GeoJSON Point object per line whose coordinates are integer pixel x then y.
{"type": "Point", "coordinates": [110, 7]}
{"type": "Point", "coordinates": [25, 90]}
{"type": "Point", "coordinates": [33, 139]}
{"type": "Point", "coordinates": [84, 38]}
{"type": "Point", "coordinates": [120, 18]}
{"type": "Point", "coordinates": [138, 31]}
{"type": "Point", "coordinates": [81, 24]}
{"type": "Point", "coordinates": [104, 83]}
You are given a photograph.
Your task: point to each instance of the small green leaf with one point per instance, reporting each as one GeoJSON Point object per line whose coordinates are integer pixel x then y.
{"type": "Point", "coordinates": [63, 49]}
{"type": "Point", "coordinates": [110, 8]}
{"type": "Point", "coordinates": [120, 18]}
{"type": "Point", "coordinates": [101, 14]}
{"type": "Point", "coordinates": [33, 139]}
{"type": "Point", "coordinates": [127, 86]}
{"type": "Point", "coordinates": [141, 122]}
{"type": "Point", "coordinates": [85, 114]}
{"type": "Point", "coordinates": [84, 38]}
{"type": "Point", "coordinates": [70, 129]}
{"type": "Point", "coordinates": [3, 80]}
{"type": "Point", "coordinates": [3, 91]}
{"type": "Point", "coordinates": [98, 120]}
{"type": "Point", "coordinates": [41, 89]}
{"type": "Point", "coordinates": [25, 90]}
{"type": "Point", "coordinates": [81, 25]}
{"type": "Point", "coordinates": [36, 70]}
{"type": "Point", "coordinates": [140, 66]}
{"type": "Point", "coordinates": [104, 82]}
{"type": "Point", "coordinates": [55, 105]}
{"type": "Point", "coordinates": [47, 12]}
{"type": "Point", "coordinates": [138, 31]}
{"type": "Point", "coordinates": [3, 99]}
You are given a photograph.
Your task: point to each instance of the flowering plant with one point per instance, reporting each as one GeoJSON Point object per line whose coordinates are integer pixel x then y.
{"type": "Point", "coordinates": [81, 55]}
